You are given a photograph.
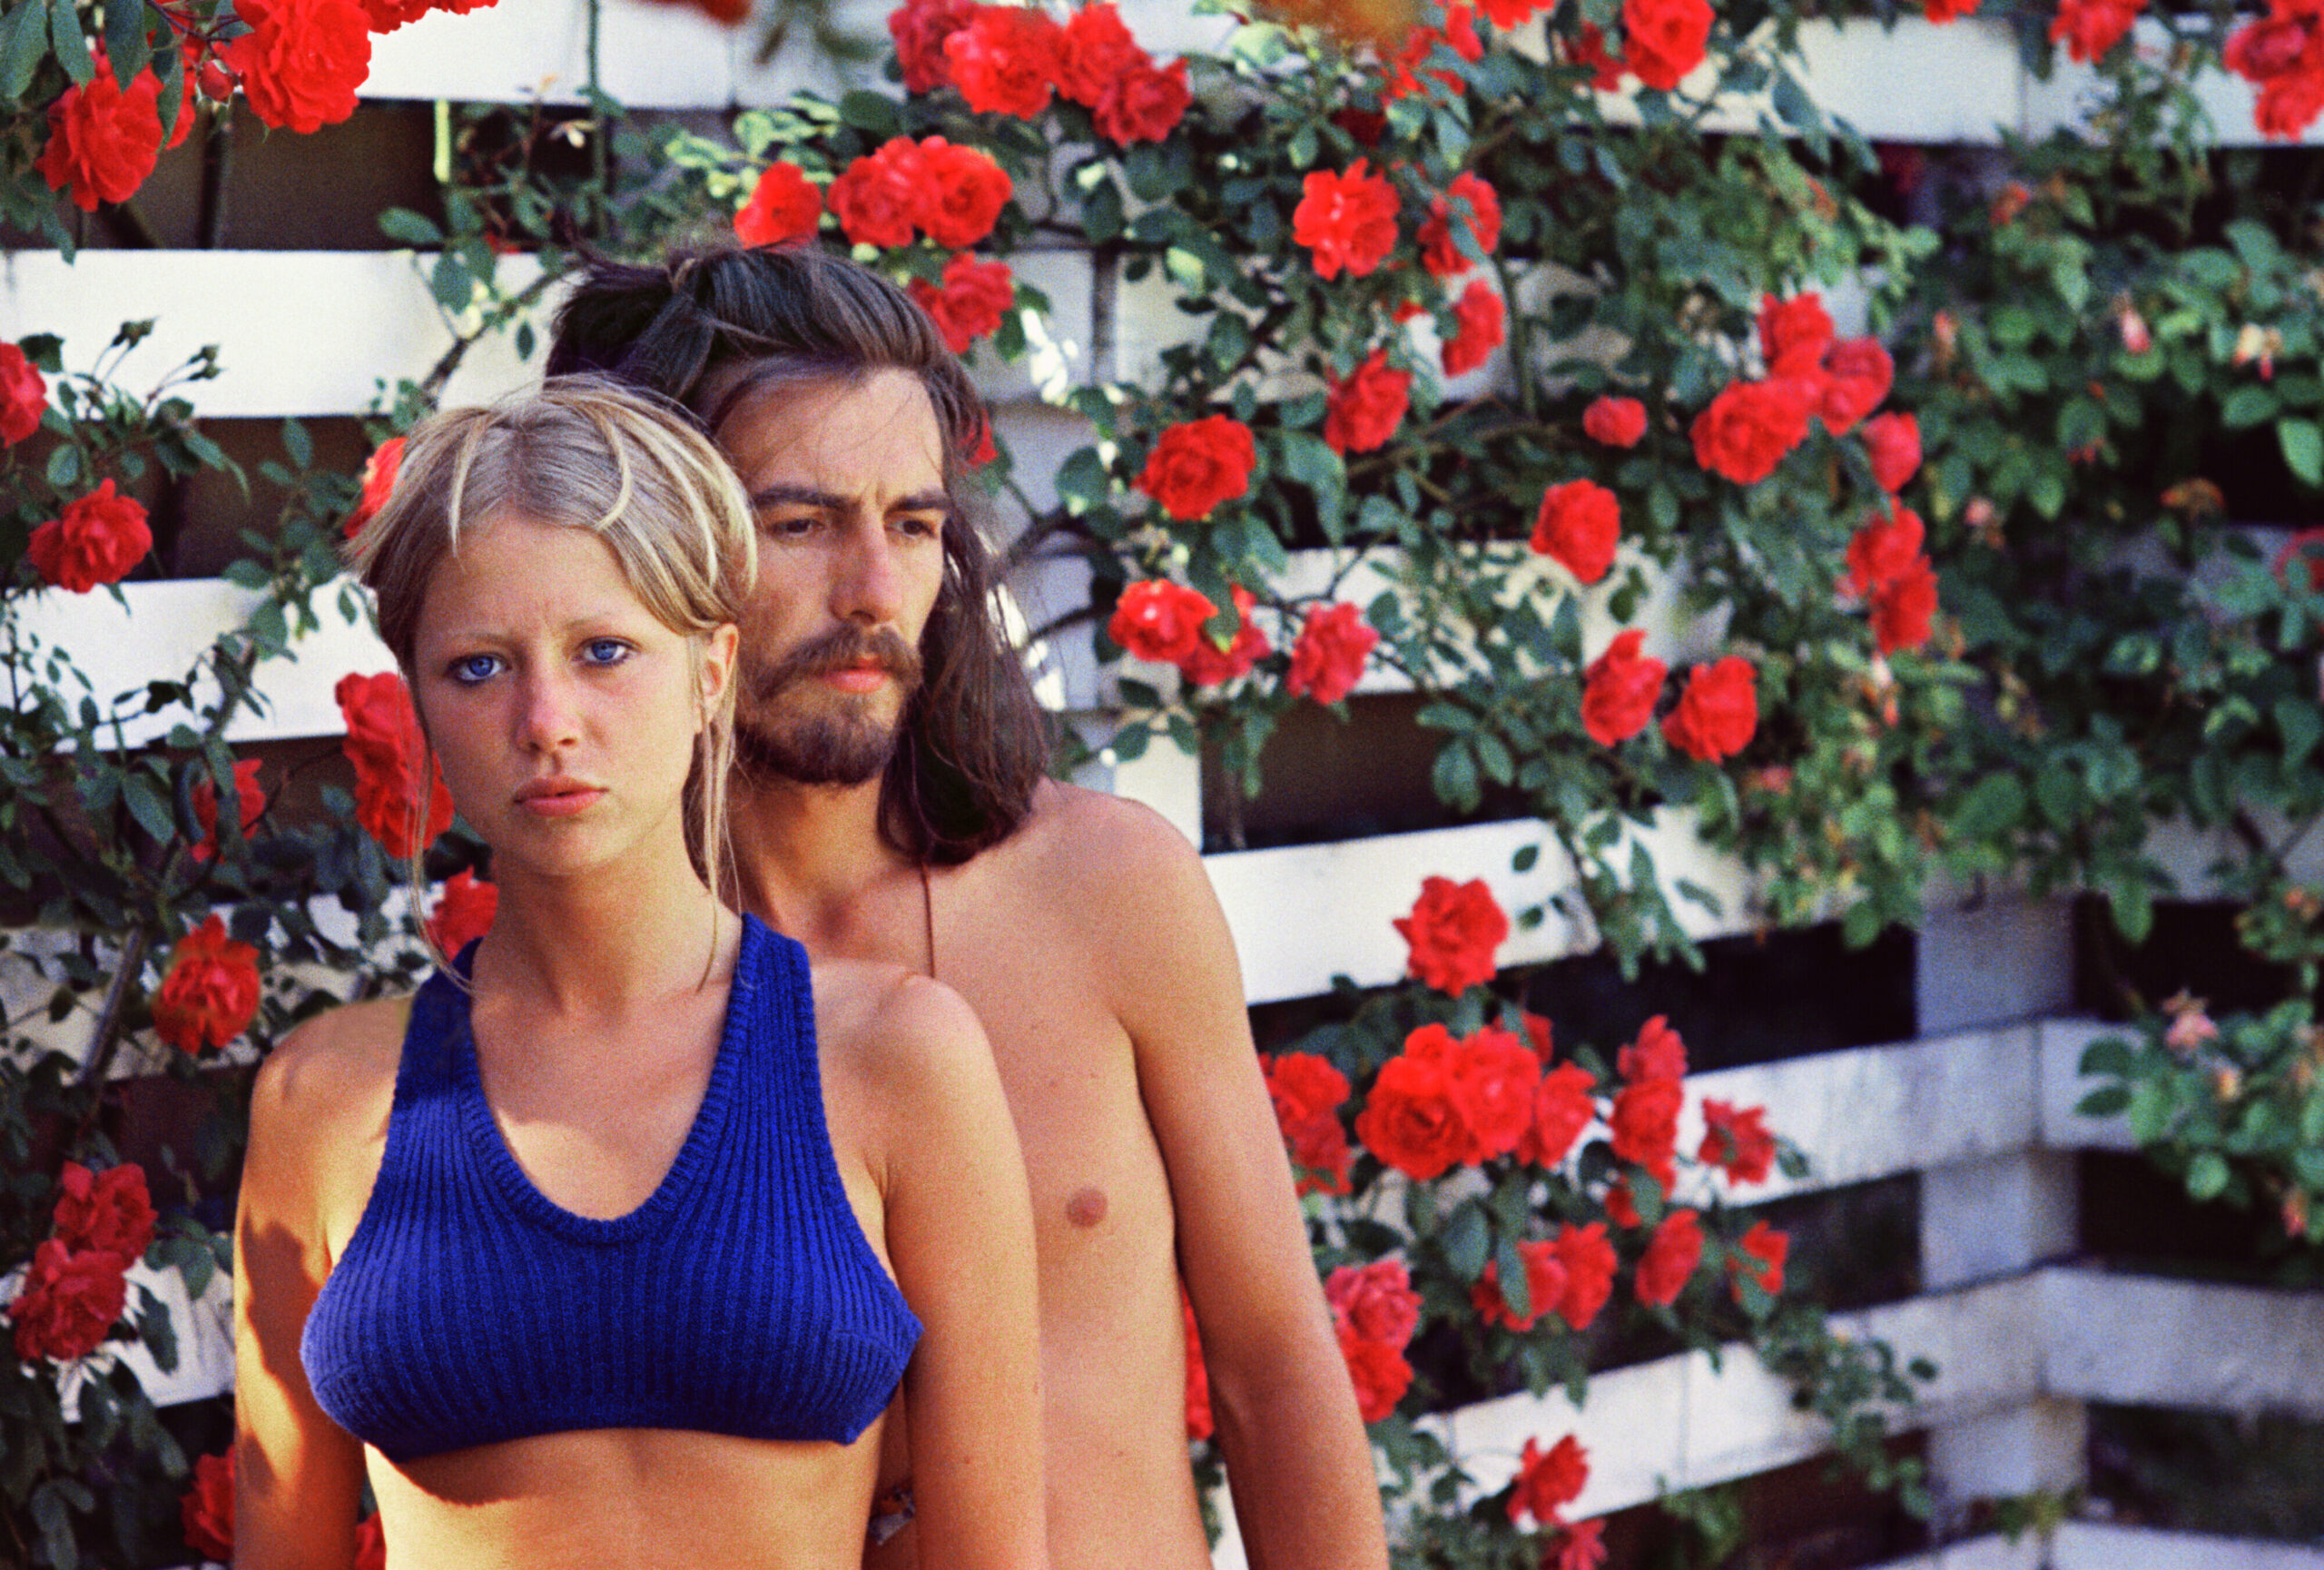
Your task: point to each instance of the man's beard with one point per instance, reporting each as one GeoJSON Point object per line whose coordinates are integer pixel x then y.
{"type": "Point", "coordinates": [842, 748]}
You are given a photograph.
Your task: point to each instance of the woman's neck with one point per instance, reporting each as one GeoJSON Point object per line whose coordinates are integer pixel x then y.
{"type": "Point", "coordinates": [604, 943]}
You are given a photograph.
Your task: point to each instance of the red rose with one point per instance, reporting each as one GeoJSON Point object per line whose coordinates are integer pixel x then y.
{"type": "Point", "coordinates": [210, 993]}
{"type": "Point", "coordinates": [69, 1300]}
{"type": "Point", "coordinates": [107, 1212]}
{"type": "Point", "coordinates": [1348, 221]}
{"type": "Point", "coordinates": [1620, 1205]}
{"type": "Point", "coordinates": [1005, 61]}
{"type": "Point", "coordinates": [784, 205]}
{"type": "Point", "coordinates": [1478, 328]}
{"type": "Point", "coordinates": [1199, 1424]}
{"type": "Point", "coordinates": [23, 396]}
{"type": "Point", "coordinates": [464, 912]}
{"type": "Point", "coordinates": [1328, 657]}
{"type": "Point", "coordinates": [1547, 1481]}
{"type": "Point", "coordinates": [920, 28]}
{"type": "Point", "coordinates": [1941, 11]}
{"type": "Point", "coordinates": [1375, 1302]}
{"type": "Point", "coordinates": [1671, 1257]}
{"type": "Point", "coordinates": [1093, 49]}
{"type": "Point", "coordinates": [1581, 1546]}
{"type": "Point", "coordinates": [1764, 1249]}
{"type": "Point", "coordinates": [1587, 47]}
{"type": "Point", "coordinates": [1588, 1259]}
{"type": "Point", "coordinates": [103, 139]}
{"type": "Point", "coordinates": [1857, 375]}
{"type": "Point", "coordinates": [1884, 549]}
{"type": "Point", "coordinates": [1453, 930]}
{"type": "Point", "coordinates": [1159, 620]}
{"type": "Point", "coordinates": [1308, 1092]}
{"type": "Point", "coordinates": [1544, 1284]}
{"type": "Point", "coordinates": [1894, 443]}
{"type": "Point", "coordinates": [1510, 14]}
{"type": "Point", "coordinates": [387, 15]}
{"type": "Point", "coordinates": [1197, 465]}
{"type": "Point", "coordinates": [2091, 27]}
{"type": "Point", "coordinates": [371, 1538]}
{"type": "Point", "coordinates": [1409, 1120]}
{"type": "Point", "coordinates": [1645, 1123]}
{"type": "Point", "coordinates": [1903, 607]}
{"type": "Point", "coordinates": [207, 1512]}
{"type": "Point", "coordinates": [1145, 102]}
{"type": "Point", "coordinates": [1563, 1107]}
{"type": "Point", "coordinates": [99, 538]}
{"type": "Point", "coordinates": [881, 197]}
{"type": "Point", "coordinates": [1794, 334]}
{"type": "Point", "coordinates": [1615, 421]}
{"type": "Point", "coordinates": [1751, 426]}
{"type": "Point", "coordinates": [301, 61]}
{"type": "Point", "coordinates": [379, 472]}
{"type": "Point", "coordinates": [1577, 527]}
{"type": "Point", "coordinates": [2287, 106]}
{"type": "Point", "coordinates": [969, 189]}
{"type": "Point", "coordinates": [1717, 712]}
{"type": "Point", "coordinates": [1364, 126]}
{"type": "Point", "coordinates": [1494, 1076]}
{"type": "Point", "coordinates": [1736, 1139]}
{"type": "Point", "coordinates": [250, 802]}
{"type": "Point", "coordinates": [1208, 664]}
{"type": "Point", "coordinates": [1362, 412]}
{"type": "Point", "coordinates": [974, 299]}
{"type": "Point", "coordinates": [1440, 252]}
{"type": "Point", "coordinates": [1657, 1055]}
{"type": "Point", "coordinates": [1379, 1372]}
{"type": "Point", "coordinates": [1618, 690]}
{"type": "Point", "coordinates": [1407, 69]}
{"type": "Point", "coordinates": [1662, 40]}
{"type": "Point", "coordinates": [384, 744]}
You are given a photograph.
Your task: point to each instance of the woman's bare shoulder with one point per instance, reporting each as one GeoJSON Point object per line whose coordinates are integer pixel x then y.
{"type": "Point", "coordinates": [335, 1064]}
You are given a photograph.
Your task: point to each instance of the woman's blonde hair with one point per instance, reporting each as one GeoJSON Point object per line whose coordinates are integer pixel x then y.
{"type": "Point", "coordinates": [584, 452]}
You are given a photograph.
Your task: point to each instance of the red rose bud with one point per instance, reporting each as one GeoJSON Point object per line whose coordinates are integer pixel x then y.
{"type": "Point", "coordinates": [2137, 337]}
{"type": "Point", "coordinates": [784, 205]}
{"type": "Point", "coordinates": [1751, 427]}
{"type": "Point", "coordinates": [1620, 689]}
{"type": "Point", "coordinates": [1478, 329]}
{"type": "Point", "coordinates": [103, 138]}
{"type": "Point", "coordinates": [210, 993]}
{"type": "Point", "coordinates": [97, 540]}
{"type": "Point", "coordinates": [1453, 931]}
{"type": "Point", "coordinates": [206, 1514]}
{"type": "Point", "coordinates": [1159, 620]}
{"type": "Point", "coordinates": [1547, 1481]}
{"type": "Point", "coordinates": [1894, 443]}
{"type": "Point", "coordinates": [1347, 220]}
{"type": "Point", "coordinates": [966, 191]}
{"type": "Point", "coordinates": [1441, 253]}
{"type": "Point", "coordinates": [1199, 464]}
{"type": "Point", "coordinates": [1662, 40]}
{"type": "Point", "coordinates": [1614, 422]}
{"type": "Point", "coordinates": [1578, 526]}
{"type": "Point", "coordinates": [1362, 412]}
{"type": "Point", "coordinates": [1671, 1256]}
{"type": "Point", "coordinates": [974, 299]}
{"type": "Point", "coordinates": [301, 61]}
{"type": "Point", "coordinates": [1716, 713]}
{"type": "Point", "coordinates": [1006, 60]}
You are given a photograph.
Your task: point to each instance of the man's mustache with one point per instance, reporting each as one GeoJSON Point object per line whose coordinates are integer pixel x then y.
{"type": "Point", "coordinates": [845, 645]}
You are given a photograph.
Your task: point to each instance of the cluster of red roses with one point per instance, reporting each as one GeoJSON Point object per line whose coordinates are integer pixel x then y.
{"type": "Point", "coordinates": [98, 536]}
{"type": "Point", "coordinates": [211, 992]}
{"type": "Point", "coordinates": [77, 1283]}
{"type": "Point", "coordinates": [1162, 621]}
{"type": "Point", "coordinates": [1349, 222]}
{"type": "Point", "coordinates": [1374, 1312]}
{"type": "Point", "coordinates": [1547, 1482]}
{"type": "Point", "coordinates": [2283, 55]}
{"type": "Point", "coordinates": [1012, 59]}
{"type": "Point", "coordinates": [206, 1517]}
{"type": "Point", "coordinates": [384, 743]}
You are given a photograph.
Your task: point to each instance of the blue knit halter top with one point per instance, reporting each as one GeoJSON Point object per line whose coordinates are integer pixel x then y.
{"type": "Point", "coordinates": [741, 1297]}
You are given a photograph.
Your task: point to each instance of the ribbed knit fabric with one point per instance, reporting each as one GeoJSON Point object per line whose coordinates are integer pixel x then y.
{"type": "Point", "coordinates": [741, 1297]}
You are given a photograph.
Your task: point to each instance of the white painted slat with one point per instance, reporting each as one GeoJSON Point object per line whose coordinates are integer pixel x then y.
{"type": "Point", "coordinates": [298, 333]}
{"type": "Point", "coordinates": [2101, 1546]}
{"type": "Point", "coordinates": [2142, 1341]}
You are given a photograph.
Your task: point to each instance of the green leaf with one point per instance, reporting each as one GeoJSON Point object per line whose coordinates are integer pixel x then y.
{"type": "Point", "coordinates": [2303, 446]}
{"type": "Point", "coordinates": [873, 112]}
{"type": "Point", "coordinates": [70, 45]}
{"type": "Point", "coordinates": [2104, 1102]}
{"type": "Point", "coordinates": [125, 43]}
{"type": "Point", "coordinates": [2207, 1175]}
{"type": "Point", "coordinates": [2248, 406]}
{"type": "Point", "coordinates": [414, 229]}
{"type": "Point", "coordinates": [148, 806]}
{"type": "Point", "coordinates": [23, 45]}
{"type": "Point", "coordinates": [1465, 1241]}
{"type": "Point", "coordinates": [64, 467]}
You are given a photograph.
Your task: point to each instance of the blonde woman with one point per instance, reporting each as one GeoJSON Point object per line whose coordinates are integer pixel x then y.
{"type": "Point", "coordinates": [611, 1246]}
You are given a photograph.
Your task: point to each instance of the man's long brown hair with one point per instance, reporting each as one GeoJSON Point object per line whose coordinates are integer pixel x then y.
{"type": "Point", "coordinates": [724, 322]}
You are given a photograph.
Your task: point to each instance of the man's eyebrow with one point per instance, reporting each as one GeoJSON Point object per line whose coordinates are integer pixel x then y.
{"type": "Point", "coordinates": [832, 501]}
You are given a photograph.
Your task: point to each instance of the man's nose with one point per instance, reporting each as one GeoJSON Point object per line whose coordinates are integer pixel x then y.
{"type": "Point", "coordinates": [868, 585]}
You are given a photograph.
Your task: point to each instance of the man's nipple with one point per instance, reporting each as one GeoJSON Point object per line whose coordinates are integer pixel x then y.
{"type": "Point", "coordinates": [1088, 1206]}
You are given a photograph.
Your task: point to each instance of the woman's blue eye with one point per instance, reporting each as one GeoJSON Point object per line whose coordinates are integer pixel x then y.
{"type": "Point", "coordinates": [605, 650]}
{"type": "Point", "coordinates": [475, 667]}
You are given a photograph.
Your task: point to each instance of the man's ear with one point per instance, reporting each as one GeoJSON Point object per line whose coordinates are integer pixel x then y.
{"type": "Point", "coordinates": [717, 666]}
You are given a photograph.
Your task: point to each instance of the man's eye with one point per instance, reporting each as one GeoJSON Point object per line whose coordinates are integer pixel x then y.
{"type": "Point", "coordinates": [605, 651]}
{"type": "Point", "coordinates": [472, 668]}
{"type": "Point", "coordinates": [919, 527]}
{"type": "Point", "coordinates": [791, 527]}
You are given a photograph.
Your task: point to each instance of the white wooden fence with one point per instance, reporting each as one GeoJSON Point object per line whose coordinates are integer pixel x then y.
{"type": "Point", "coordinates": [1981, 1109]}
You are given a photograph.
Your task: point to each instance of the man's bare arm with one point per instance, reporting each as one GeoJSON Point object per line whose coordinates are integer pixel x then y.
{"type": "Point", "coordinates": [1298, 1459]}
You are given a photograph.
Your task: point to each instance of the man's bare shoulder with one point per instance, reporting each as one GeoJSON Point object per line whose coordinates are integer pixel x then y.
{"type": "Point", "coordinates": [1091, 840]}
